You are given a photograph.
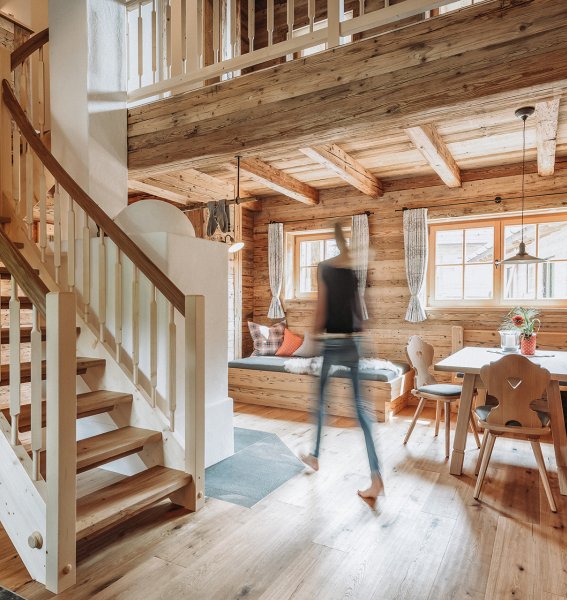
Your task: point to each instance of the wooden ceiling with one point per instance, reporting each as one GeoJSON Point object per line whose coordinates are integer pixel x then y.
{"type": "Point", "coordinates": [443, 150]}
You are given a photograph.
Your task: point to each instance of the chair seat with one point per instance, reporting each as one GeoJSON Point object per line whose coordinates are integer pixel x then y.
{"type": "Point", "coordinates": [482, 413]}
{"type": "Point", "coordinates": [441, 389]}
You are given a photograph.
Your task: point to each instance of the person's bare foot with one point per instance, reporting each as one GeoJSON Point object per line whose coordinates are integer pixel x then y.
{"type": "Point", "coordinates": [311, 461]}
{"type": "Point", "coordinates": [376, 488]}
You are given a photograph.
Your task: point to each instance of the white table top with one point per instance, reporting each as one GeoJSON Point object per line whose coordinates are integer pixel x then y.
{"type": "Point", "coordinates": [471, 359]}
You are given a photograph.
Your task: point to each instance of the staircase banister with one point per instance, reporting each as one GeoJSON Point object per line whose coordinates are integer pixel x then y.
{"type": "Point", "coordinates": [144, 264]}
{"type": "Point", "coordinates": [21, 53]}
{"type": "Point", "coordinates": [26, 278]}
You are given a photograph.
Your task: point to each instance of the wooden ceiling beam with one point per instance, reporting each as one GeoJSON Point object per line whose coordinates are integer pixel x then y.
{"type": "Point", "coordinates": [427, 140]}
{"type": "Point", "coordinates": [547, 122]}
{"type": "Point", "coordinates": [151, 186]}
{"type": "Point", "coordinates": [335, 159]}
{"type": "Point", "coordinates": [279, 181]}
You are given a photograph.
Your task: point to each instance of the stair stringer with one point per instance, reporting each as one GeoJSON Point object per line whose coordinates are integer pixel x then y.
{"type": "Point", "coordinates": [23, 506]}
{"type": "Point", "coordinates": [115, 377]}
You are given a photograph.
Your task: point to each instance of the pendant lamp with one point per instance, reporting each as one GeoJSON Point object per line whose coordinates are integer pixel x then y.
{"type": "Point", "coordinates": [522, 257]}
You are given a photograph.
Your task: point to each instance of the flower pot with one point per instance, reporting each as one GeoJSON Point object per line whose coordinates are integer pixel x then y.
{"type": "Point", "coordinates": [528, 345]}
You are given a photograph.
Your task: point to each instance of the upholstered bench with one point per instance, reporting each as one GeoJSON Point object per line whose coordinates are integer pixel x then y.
{"type": "Point", "coordinates": [263, 380]}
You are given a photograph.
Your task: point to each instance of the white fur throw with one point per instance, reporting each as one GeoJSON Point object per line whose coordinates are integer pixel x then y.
{"type": "Point", "coordinates": [312, 366]}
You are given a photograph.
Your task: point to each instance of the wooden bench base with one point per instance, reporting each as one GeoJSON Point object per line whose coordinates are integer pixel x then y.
{"type": "Point", "coordinates": [300, 392]}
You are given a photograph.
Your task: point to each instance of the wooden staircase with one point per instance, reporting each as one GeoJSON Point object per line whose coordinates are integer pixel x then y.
{"type": "Point", "coordinates": [53, 303]}
{"type": "Point", "coordinates": [107, 506]}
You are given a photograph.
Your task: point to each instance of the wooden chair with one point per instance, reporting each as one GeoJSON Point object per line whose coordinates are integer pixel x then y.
{"type": "Point", "coordinates": [420, 355]}
{"type": "Point", "coordinates": [515, 387]}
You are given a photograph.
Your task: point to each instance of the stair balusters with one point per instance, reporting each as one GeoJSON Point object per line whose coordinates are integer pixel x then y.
{"type": "Point", "coordinates": [15, 371]}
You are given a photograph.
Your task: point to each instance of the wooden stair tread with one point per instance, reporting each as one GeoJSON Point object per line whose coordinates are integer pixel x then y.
{"type": "Point", "coordinates": [88, 404]}
{"type": "Point", "coordinates": [112, 445]}
{"type": "Point", "coordinates": [5, 274]}
{"type": "Point", "coordinates": [83, 364]}
{"type": "Point", "coordinates": [25, 302]}
{"type": "Point", "coordinates": [25, 335]}
{"type": "Point", "coordinates": [124, 499]}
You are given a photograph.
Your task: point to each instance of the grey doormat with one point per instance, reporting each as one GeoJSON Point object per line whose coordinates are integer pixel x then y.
{"type": "Point", "coordinates": [260, 464]}
{"type": "Point", "coordinates": [8, 595]}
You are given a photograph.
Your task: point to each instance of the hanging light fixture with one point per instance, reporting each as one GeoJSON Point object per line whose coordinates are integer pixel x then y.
{"type": "Point", "coordinates": [522, 257]}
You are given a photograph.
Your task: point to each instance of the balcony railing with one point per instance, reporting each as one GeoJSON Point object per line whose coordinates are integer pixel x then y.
{"type": "Point", "coordinates": [178, 45]}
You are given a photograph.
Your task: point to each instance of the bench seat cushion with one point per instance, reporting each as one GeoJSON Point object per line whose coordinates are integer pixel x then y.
{"type": "Point", "coordinates": [276, 363]}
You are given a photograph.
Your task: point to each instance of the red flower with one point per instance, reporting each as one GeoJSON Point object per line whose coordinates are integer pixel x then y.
{"type": "Point", "coordinates": [518, 320]}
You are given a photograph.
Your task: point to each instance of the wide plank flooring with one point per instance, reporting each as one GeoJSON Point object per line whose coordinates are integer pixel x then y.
{"type": "Point", "coordinates": [312, 538]}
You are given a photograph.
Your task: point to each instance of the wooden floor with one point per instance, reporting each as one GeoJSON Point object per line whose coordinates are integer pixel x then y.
{"type": "Point", "coordinates": [314, 538]}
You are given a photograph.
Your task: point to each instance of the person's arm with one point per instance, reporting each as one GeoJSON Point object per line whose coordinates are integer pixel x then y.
{"type": "Point", "coordinates": [321, 309]}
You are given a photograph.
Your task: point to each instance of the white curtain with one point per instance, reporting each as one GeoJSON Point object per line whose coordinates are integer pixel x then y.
{"type": "Point", "coordinates": [276, 268]}
{"type": "Point", "coordinates": [415, 246]}
{"type": "Point", "coordinates": [360, 240]}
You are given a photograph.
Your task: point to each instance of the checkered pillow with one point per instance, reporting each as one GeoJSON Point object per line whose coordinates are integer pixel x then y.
{"type": "Point", "coordinates": [266, 339]}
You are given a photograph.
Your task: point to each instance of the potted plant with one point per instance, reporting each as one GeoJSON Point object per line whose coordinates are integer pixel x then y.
{"type": "Point", "coordinates": [524, 320]}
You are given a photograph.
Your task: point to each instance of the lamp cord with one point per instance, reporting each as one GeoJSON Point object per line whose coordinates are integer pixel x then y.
{"type": "Point", "coordinates": [525, 118]}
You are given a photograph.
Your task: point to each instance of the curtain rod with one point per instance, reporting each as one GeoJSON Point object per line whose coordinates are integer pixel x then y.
{"type": "Point", "coordinates": [366, 212]}
{"type": "Point", "coordinates": [496, 200]}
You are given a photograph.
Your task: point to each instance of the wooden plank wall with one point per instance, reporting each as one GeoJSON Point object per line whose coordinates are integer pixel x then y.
{"type": "Point", "coordinates": [387, 294]}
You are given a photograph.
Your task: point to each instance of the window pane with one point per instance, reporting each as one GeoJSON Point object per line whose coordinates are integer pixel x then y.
{"type": "Point", "coordinates": [479, 282]}
{"type": "Point", "coordinates": [308, 280]}
{"type": "Point", "coordinates": [311, 253]}
{"type": "Point", "coordinates": [513, 237]}
{"type": "Point", "coordinates": [449, 247]}
{"type": "Point", "coordinates": [519, 282]}
{"type": "Point", "coordinates": [448, 283]}
{"type": "Point", "coordinates": [552, 240]}
{"type": "Point", "coordinates": [552, 280]}
{"type": "Point", "coordinates": [331, 249]}
{"type": "Point", "coordinates": [479, 245]}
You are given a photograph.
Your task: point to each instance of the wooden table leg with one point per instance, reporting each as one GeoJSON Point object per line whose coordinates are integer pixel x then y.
{"type": "Point", "coordinates": [460, 439]}
{"type": "Point", "coordinates": [559, 434]}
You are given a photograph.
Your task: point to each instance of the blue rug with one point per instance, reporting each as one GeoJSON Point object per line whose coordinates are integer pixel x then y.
{"type": "Point", "coordinates": [260, 464]}
{"type": "Point", "coordinates": [8, 595]}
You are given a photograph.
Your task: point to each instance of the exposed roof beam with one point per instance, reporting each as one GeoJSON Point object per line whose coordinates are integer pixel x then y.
{"type": "Point", "coordinates": [547, 121]}
{"type": "Point", "coordinates": [279, 181]}
{"type": "Point", "coordinates": [427, 140]}
{"type": "Point", "coordinates": [151, 186]}
{"type": "Point", "coordinates": [196, 182]}
{"type": "Point", "coordinates": [346, 167]}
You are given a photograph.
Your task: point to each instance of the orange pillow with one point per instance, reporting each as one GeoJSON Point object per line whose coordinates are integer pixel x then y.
{"type": "Point", "coordinates": [291, 342]}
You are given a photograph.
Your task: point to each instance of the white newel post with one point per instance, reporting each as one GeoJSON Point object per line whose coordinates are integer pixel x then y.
{"type": "Point", "coordinates": [195, 399]}
{"type": "Point", "coordinates": [61, 399]}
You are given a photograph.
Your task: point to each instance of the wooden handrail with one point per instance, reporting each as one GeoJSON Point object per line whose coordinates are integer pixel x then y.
{"type": "Point", "coordinates": [34, 43]}
{"type": "Point", "coordinates": [171, 292]}
{"type": "Point", "coordinates": [25, 276]}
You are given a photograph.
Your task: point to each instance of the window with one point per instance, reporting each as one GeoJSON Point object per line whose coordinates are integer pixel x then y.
{"type": "Point", "coordinates": [308, 251]}
{"type": "Point", "coordinates": [462, 270]}
{"type": "Point", "coordinates": [458, 4]}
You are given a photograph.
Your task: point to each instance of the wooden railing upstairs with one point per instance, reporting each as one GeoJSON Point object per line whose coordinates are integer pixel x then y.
{"type": "Point", "coordinates": [38, 505]}
{"type": "Point", "coordinates": [175, 45]}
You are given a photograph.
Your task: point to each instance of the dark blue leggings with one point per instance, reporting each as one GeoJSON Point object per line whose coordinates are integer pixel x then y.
{"type": "Point", "coordinates": [344, 352]}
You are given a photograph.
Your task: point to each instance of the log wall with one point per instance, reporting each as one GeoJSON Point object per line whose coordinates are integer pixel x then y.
{"type": "Point", "coordinates": [387, 293]}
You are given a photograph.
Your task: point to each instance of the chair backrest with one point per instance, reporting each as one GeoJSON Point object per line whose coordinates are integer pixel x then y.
{"type": "Point", "coordinates": [514, 382]}
{"type": "Point", "coordinates": [420, 355]}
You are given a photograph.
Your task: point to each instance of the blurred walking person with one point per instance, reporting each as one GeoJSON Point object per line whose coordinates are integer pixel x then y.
{"type": "Point", "coordinates": [338, 320]}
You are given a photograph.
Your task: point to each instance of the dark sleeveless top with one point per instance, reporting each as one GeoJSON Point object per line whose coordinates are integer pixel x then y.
{"type": "Point", "coordinates": [343, 301]}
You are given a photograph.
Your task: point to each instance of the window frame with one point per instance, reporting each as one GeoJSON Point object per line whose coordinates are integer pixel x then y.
{"type": "Point", "coordinates": [312, 236]}
{"type": "Point", "coordinates": [498, 270]}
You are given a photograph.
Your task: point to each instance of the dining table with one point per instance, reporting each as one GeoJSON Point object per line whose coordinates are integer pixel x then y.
{"type": "Point", "coordinates": [469, 361]}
